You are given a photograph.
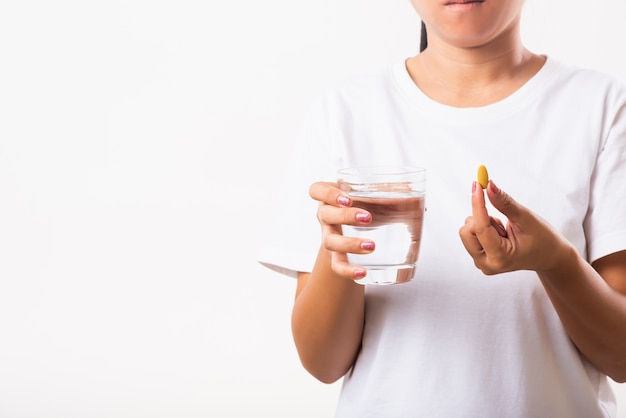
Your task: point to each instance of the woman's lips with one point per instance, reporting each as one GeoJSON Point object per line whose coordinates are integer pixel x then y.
{"type": "Point", "coordinates": [463, 4]}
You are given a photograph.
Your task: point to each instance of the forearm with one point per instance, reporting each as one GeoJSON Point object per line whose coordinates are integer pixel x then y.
{"type": "Point", "coordinates": [592, 312]}
{"type": "Point", "coordinates": [327, 321]}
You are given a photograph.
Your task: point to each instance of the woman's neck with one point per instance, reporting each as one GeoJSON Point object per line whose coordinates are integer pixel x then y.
{"type": "Point", "coordinates": [472, 77]}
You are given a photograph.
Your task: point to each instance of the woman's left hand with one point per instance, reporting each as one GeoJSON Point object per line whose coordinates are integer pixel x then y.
{"type": "Point", "coordinates": [526, 243]}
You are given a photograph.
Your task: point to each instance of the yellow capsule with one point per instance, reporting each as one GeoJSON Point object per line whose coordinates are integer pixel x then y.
{"type": "Point", "coordinates": [483, 176]}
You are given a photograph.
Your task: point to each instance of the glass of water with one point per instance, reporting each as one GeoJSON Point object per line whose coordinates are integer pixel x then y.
{"type": "Point", "coordinates": [395, 197]}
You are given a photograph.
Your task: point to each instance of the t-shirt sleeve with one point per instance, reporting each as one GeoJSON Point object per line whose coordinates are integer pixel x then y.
{"type": "Point", "coordinates": [605, 223]}
{"type": "Point", "coordinates": [293, 234]}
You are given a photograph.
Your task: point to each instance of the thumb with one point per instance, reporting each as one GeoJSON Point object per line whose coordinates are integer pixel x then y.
{"type": "Point", "coordinates": [504, 203]}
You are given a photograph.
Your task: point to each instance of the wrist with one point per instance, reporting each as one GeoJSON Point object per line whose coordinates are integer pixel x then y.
{"type": "Point", "coordinates": [564, 261]}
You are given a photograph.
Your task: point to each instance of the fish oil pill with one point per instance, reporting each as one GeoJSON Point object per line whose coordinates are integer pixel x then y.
{"type": "Point", "coordinates": [483, 176]}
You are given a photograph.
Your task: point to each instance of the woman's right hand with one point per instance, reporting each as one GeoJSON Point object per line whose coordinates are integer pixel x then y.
{"type": "Point", "coordinates": [329, 311]}
{"type": "Point", "coordinates": [335, 209]}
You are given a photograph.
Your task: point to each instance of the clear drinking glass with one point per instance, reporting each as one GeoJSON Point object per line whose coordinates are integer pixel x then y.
{"type": "Point", "coordinates": [395, 197]}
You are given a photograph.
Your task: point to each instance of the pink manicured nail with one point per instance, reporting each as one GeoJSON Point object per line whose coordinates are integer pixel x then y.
{"type": "Point", "coordinates": [344, 200]}
{"type": "Point", "coordinates": [359, 273]}
{"type": "Point", "coordinates": [493, 187]}
{"type": "Point", "coordinates": [363, 217]}
{"type": "Point", "coordinates": [368, 245]}
{"type": "Point", "coordinates": [473, 187]}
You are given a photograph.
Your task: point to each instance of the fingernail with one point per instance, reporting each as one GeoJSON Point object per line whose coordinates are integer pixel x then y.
{"type": "Point", "coordinates": [368, 245]}
{"type": "Point", "coordinates": [343, 200]}
{"type": "Point", "coordinates": [473, 187]}
{"type": "Point", "coordinates": [493, 187]}
{"type": "Point", "coordinates": [359, 273]}
{"type": "Point", "coordinates": [363, 217]}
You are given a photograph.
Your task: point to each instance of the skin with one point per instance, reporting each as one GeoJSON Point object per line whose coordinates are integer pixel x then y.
{"type": "Point", "coordinates": [589, 299]}
{"type": "Point", "coordinates": [475, 57]}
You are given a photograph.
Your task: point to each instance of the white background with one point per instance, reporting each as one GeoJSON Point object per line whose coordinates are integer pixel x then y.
{"type": "Point", "coordinates": [140, 145]}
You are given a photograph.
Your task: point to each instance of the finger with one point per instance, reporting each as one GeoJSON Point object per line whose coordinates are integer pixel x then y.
{"type": "Point", "coordinates": [333, 215]}
{"type": "Point", "coordinates": [339, 243]}
{"type": "Point", "coordinates": [480, 217]}
{"type": "Point", "coordinates": [329, 193]}
{"type": "Point", "coordinates": [469, 239]}
{"type": "Point", "coordinates": [500, 228]}
{"type": "Point", "coordinates": [341, 266]}
{"type": "Point", "coordinates": [484, 229]}
{"type": "Point", "coordinates": [339, 246]}
{"type": "Point", "coordinates": [503, 202]}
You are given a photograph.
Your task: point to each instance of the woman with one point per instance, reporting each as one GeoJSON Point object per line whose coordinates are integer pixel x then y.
{"type": "Point", "coordinates": [533, 322]}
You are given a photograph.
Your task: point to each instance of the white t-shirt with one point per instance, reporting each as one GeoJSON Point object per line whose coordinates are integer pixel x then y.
{"type": "Point", "coordinates": [454, 342]}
